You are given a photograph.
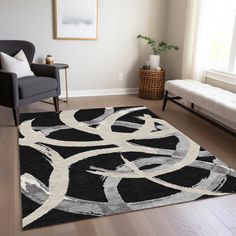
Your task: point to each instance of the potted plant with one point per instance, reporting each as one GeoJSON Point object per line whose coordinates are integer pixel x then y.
{"type": "Point", "coordinates": [158, 49]}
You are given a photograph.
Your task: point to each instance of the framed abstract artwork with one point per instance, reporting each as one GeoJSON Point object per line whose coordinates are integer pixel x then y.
{"type": "Point", "coordinates": [76, 19]}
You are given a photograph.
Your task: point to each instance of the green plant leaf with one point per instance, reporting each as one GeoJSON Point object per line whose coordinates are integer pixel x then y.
{"type": "Point", "coordinates": [157, 48]}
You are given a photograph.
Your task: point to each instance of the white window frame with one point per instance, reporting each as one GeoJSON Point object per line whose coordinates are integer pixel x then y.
{"type": "Point", "coordinates": [232, 59]}
{"type": "Point", "coordinates": [225, 78]}
{"type": "Point", "coordinates": [232, 62]}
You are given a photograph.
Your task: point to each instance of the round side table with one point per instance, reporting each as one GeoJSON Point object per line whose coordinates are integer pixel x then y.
{"type": "Point", "coordinates": [151, 84]}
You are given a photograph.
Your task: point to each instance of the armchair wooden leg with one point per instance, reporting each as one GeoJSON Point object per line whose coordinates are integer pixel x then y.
{"type": "Point", "coordinates": [56, 103]}
{"type": "Point", "coordinates": [16, 115]}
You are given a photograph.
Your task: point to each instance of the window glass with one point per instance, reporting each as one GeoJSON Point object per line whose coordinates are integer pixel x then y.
{"type": "Point", "coordinates": [221, 30]}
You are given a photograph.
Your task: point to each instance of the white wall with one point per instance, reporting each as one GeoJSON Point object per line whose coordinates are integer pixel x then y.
{"type": "Point", "coordinates": [94, 65]}
{"type": "Point", "coordinates": [175, 32]}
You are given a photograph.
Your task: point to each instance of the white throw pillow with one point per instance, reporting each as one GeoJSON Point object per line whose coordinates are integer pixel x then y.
{"type": "Point", "coordinates": [17, 64]}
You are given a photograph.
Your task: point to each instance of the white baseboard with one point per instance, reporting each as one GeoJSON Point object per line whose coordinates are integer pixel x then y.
{"type": "Point", "coordinates": [100, 92]}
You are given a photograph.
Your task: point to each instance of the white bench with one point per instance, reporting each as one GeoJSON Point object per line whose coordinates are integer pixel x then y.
{"type": "Point", "coordinates": [213, 99]}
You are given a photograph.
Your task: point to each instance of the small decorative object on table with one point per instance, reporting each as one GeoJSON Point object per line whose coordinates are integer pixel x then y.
{"type": "Point", "coordinates": [49, 60]}
{"type": "Point", "coordinates": [151, 85]}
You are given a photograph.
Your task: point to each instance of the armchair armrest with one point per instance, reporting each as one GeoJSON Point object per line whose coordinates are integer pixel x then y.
{"type": "Point", "coordinates": [9, 93]}
{"type": "Point", "coordinates": [45, 70]}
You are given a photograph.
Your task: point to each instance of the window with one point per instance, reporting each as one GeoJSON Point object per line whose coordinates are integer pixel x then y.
{"type": "Point", "coordinates": [220, 19]}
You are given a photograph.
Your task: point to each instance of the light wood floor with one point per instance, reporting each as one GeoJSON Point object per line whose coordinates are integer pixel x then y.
{"type": "Point", "coordinates": [215, 216]}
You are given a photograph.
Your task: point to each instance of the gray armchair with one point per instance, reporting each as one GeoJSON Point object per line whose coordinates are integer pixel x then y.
{"type": "Point", "coordinates": [16, 93]}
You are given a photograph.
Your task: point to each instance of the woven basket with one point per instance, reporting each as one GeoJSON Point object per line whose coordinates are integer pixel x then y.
{"type": "Point", "coordinates": [151, 84]}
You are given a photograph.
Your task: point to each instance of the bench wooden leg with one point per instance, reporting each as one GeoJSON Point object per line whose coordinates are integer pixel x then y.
{"type": "Point", "coordinates": [192, 105]}
{"type": "Point", "coordinates": [165, 101]}
{"type": "Point", "coordinates": [16, 115]}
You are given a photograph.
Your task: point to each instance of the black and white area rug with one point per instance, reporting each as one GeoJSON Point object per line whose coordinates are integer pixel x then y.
{"type": "Point", "coordinates": [88, 163]}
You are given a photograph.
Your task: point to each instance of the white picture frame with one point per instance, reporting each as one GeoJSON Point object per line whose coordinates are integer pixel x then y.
{"type": "Point", "coordinates": [76, 19]}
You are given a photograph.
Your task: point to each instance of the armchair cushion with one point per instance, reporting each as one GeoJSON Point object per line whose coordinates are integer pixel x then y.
{"type": "Point", "coordinates": [32, 85]}
{"type": "Point", "coordinates": [17, 64]}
